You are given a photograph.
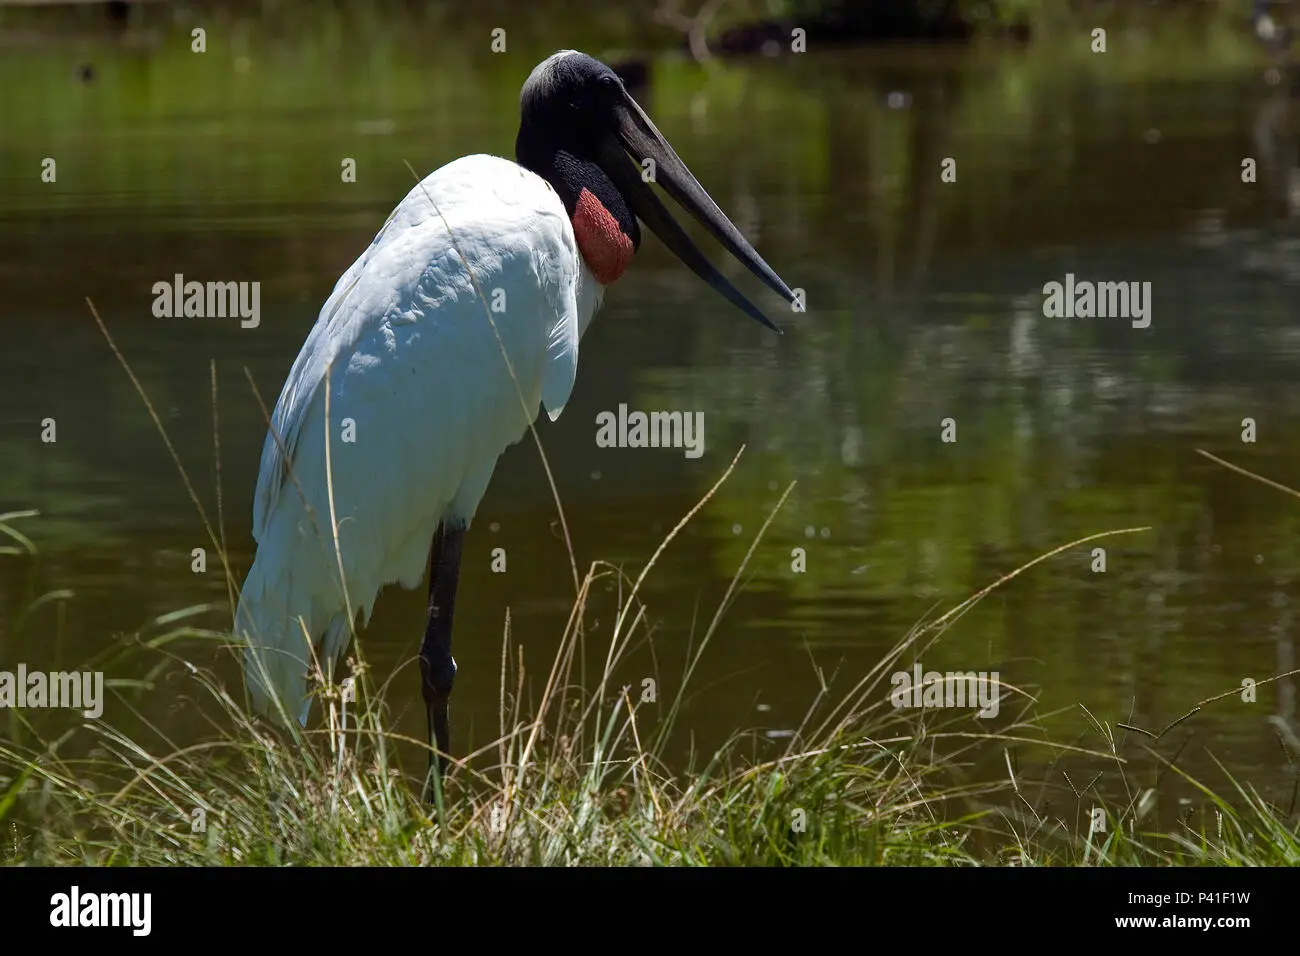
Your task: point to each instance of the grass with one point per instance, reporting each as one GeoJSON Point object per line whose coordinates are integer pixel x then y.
{"type": "Point", "coordinates": [583, 778]}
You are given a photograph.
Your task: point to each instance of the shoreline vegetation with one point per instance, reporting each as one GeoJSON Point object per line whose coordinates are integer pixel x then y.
{"type": "Point", "coordinates": [583, 777]}
{"type": "Point", "coordinates": [742, 27]}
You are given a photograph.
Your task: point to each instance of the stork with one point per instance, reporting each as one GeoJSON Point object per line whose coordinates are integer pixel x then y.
{"type": "Point", "coordinates": [407, 355]}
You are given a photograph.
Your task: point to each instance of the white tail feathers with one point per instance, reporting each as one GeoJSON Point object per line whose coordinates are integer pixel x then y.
{"type": "Point", "coordinates": [276, 657]}
{"type": "Point", "coordinates": [279, 625]}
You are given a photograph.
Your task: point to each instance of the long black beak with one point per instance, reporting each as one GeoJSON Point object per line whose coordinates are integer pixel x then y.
{"type": "Point", "coordinates": [639, 137]}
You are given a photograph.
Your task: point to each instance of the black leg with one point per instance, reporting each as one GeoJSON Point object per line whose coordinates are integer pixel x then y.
{"type": "Point", "coordinates": [437, 668]}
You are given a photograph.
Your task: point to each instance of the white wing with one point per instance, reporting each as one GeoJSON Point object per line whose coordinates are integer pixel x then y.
{"type": "Point", "coordinates": [421, 404]}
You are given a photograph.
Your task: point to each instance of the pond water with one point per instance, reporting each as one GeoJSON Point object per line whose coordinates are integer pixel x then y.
{"type": "Point", "coordinates": [925, 321]}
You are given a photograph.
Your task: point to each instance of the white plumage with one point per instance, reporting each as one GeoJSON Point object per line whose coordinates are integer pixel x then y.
{"type": "Point", "coordinates": [413, 362]}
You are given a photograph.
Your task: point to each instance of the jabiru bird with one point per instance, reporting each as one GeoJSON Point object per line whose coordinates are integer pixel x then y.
{"type": "Point", "coordinates": [408, 356]}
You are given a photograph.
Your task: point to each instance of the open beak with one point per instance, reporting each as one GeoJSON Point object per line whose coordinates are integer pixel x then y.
{"type": "Point", "coordinates": [638, 136]}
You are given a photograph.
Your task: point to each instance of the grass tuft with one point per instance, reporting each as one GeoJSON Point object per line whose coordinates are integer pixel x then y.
{"type": "Point", "coordinates": [586, 777]}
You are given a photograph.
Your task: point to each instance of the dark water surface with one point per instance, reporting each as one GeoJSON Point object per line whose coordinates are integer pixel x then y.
{"type": "Point", "coordinates": [925, 304]}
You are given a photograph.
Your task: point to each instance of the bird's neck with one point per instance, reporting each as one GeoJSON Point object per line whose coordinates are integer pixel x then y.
{"type": "Point", "coordinates": [603, 225]}
{"type": "Point", "coordinates": [606, 249]}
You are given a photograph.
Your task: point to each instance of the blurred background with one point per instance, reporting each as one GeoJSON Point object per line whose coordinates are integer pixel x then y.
{"type": "Point", "coordinates": [924, 303]}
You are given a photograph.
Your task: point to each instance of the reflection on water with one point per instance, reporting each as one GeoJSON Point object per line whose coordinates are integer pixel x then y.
{"type": "Point", "coordinates": [925, 321]}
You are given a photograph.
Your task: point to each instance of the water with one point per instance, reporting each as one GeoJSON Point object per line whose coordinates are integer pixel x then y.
{"type": "Point", "coordinates": [925, 304]}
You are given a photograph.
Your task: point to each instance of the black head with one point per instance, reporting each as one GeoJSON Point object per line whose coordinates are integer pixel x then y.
{"type": "Point", "coordinates": [582, 132]}
{"type": "Point", "coordinates": [560, 139]}
{"type": "Point", "coordinates": [566, 95]}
